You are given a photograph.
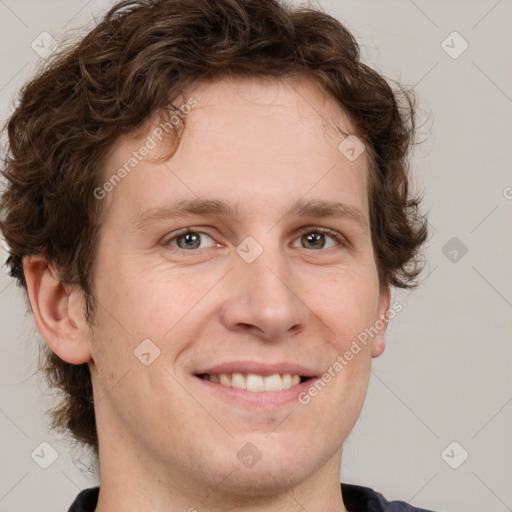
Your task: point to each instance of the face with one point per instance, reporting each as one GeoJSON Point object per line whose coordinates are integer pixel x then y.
{"type": "Point", "coordinates": [272, 280]}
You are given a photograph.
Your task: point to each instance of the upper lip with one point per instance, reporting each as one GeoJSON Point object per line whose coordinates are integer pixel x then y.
{"type": "Point", "coordinates": [264, 369]}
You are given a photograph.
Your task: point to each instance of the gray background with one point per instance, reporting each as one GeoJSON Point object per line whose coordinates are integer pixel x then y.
{"type": "Point", "coordinates": [446, 373]}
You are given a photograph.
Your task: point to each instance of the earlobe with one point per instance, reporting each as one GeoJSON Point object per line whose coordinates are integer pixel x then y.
{"type": "Point", "coordinates": [57, 311]}
{"type": "Point", "coordinates": [381, 322]}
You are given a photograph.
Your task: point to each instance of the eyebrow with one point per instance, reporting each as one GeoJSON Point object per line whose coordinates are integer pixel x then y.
{"type": "Point", "coordinates": [212, 207]}
{"type": "Point", "coordinates": [219, 207]}
{"type": "Point", "coordinates": [322, 209]}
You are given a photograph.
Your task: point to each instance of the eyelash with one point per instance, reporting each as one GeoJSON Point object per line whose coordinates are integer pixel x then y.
{"type": "Point", "coordinates": [340, 239]}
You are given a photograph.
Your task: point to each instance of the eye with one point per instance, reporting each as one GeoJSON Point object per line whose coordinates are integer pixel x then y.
{"type": "Point", "coordinates": [189, 239]}
{"type": "Point", "coordinates": [316, 238]}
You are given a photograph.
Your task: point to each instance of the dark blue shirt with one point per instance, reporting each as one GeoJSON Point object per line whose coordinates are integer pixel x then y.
{"type": "Point", "coordinates": [355, 497]}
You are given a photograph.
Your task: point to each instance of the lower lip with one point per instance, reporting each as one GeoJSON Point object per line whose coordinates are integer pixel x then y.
{"type": "Point", "coordinates": [258, 398]}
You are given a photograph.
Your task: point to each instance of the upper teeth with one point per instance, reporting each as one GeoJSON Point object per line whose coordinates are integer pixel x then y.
{"type": "Point", "coordinates": [253, 382]}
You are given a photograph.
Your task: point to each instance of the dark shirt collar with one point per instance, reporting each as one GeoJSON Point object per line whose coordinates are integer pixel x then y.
{"type": "Point", "coordinates": [355, 497]}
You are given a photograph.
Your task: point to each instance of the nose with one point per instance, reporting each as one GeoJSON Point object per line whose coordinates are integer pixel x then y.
{"type": "Point", "coordinates": [263, 298]}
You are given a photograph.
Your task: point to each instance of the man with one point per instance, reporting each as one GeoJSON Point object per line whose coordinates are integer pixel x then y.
{"type": "Point", "coordinates": [207, 203]}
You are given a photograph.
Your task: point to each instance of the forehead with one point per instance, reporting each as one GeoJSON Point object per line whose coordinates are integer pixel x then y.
{"type": "Point", "coordinates": [246, 138]}
{"type": "Point", "coordinates": [294, 106]}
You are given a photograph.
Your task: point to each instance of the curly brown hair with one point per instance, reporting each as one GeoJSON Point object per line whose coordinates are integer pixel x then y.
{"type": "Point", "coordinates": [141, 57]}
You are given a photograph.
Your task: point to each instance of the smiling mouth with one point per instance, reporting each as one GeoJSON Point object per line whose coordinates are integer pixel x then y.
{"type": "Point", "coordinates": [254, 382]}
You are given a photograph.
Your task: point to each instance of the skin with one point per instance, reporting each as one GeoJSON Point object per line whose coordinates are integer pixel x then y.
{"type": "Point", "coordinates": [168, 441]}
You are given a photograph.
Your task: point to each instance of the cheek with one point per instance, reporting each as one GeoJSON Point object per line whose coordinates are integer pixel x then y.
{"type": "Point", "coordinates": [170, 300]}
{"type": "Point", "coordinates": [143, 304]}
{"type": "Point", "coordinates": [347, 305]}
{"type": "Point", "coordinates": [168, 307]}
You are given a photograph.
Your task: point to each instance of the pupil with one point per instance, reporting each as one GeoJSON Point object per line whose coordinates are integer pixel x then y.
{"type": "Point", "coordinates": [314, 239]}
{"type": "Point", "coordinates": [191, 241]}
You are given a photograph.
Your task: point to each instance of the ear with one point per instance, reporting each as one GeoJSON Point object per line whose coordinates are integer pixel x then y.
{"type": "Point", "coordinates": [381, 322]}
{"type": "Point", "coordinates": [58, 310]}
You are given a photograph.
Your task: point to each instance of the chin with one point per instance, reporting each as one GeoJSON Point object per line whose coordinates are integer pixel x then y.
{"type": "Point", "coordinates": [260, 465]}
{"type": "Point", "coordinates": [264, 481]}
